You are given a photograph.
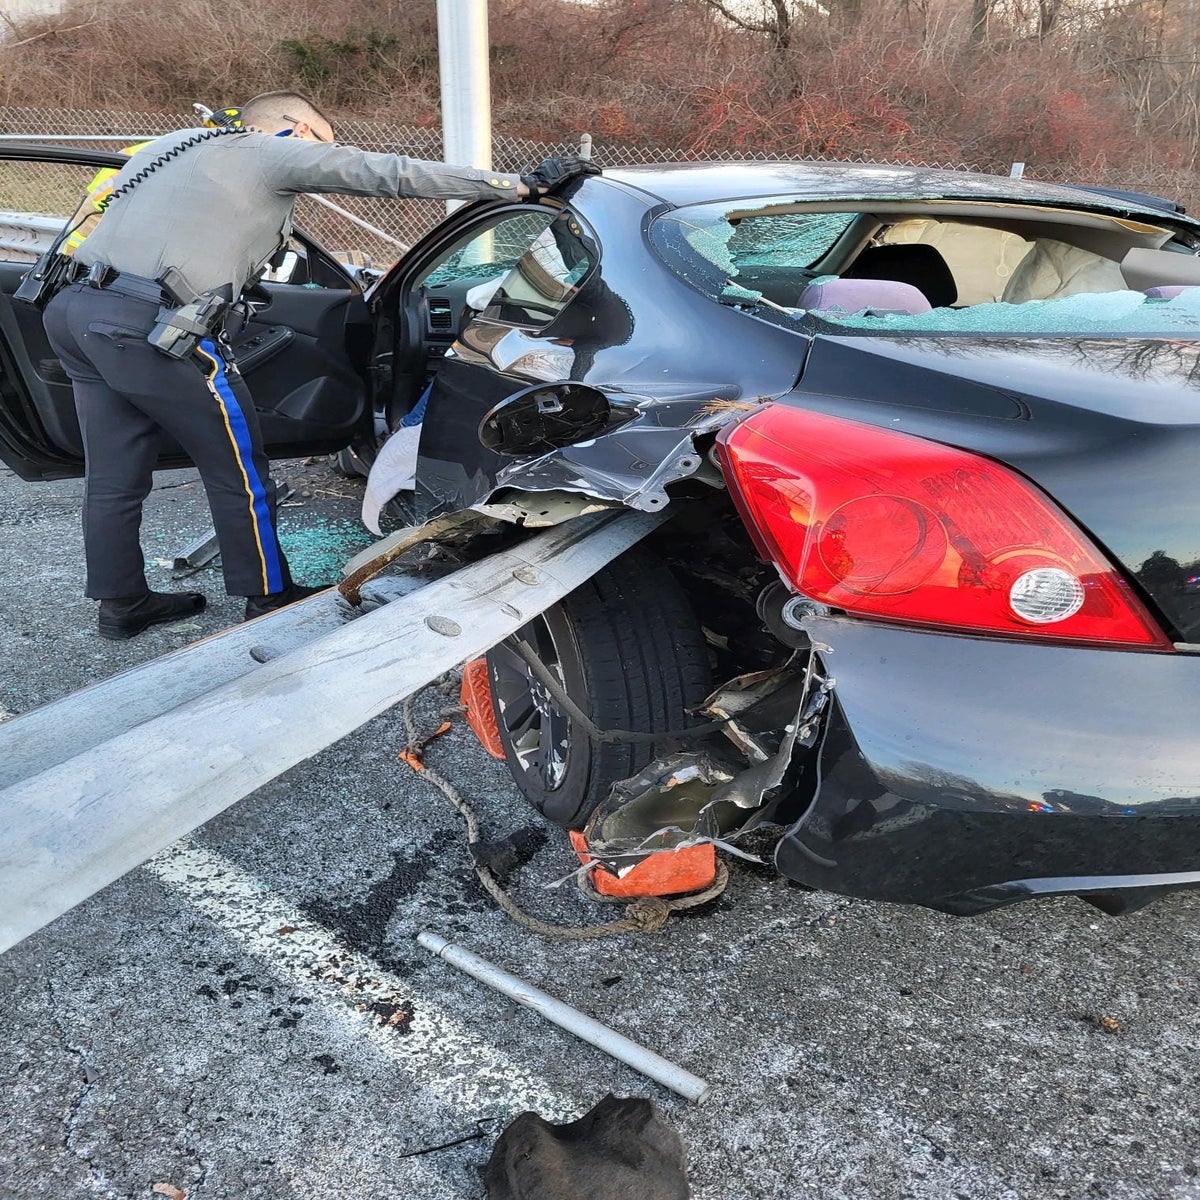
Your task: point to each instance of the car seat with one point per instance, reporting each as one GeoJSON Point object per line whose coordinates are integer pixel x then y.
{"type": "Point", "coordinates": [871, 297]}
{"type": "Point", "coordinates": [914, 263]}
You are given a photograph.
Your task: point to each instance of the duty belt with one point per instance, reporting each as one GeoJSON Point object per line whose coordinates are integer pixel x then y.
{"type": "Point", "coordinates": [135, 286]}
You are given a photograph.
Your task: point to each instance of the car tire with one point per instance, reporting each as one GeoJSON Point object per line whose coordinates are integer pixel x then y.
{"type": "Point", "coordinates": [351, 463]}
{"type": "Point", "coordinates": [629, 651]}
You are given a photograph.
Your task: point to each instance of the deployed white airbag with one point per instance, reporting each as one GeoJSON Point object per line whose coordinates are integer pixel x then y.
{"type": "Point", "coordinates": [1053, 269]}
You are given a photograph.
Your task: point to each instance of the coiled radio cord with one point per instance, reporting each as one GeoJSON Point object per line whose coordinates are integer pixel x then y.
{"type": "Point", "coordinates": [161, 160]}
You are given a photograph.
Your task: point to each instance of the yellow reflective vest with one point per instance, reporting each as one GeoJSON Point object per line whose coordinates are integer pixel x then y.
{"type": "Point", "coordinates": [98, 192]}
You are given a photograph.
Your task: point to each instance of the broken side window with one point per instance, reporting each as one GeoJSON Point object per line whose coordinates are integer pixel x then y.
{"type": "Point", "coordinates": [706, 248]}
{"type": "Point", "coordinates": [790, 240]}
{"type": "Point", "coordinates": [492, 252]}
{"type": "Point", "coordinates": [523, 269]}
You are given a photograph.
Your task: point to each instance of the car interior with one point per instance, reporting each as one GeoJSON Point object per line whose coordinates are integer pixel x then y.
{"type": "Point", "coordinates": [519, 267]}
{"type": "Point", "coordinates": [911, 257]}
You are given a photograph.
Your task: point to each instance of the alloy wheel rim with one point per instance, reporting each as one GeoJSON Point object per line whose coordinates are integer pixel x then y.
{"type": "Point", "coordinates": [537, 729]}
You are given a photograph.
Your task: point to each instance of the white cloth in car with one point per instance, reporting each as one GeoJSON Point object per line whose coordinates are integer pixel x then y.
{"type": "Point", "coordinates": [393, 471]}
{"type": "Point", "coordinates": [480, 296]}
{"type": "Point", "coordinates": [395, 467]}
{"type": "Point", "coordinates": [1054, 269]}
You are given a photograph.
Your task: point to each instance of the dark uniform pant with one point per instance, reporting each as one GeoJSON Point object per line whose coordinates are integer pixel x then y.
{"type": "Point", "coordinates": [127, 394]}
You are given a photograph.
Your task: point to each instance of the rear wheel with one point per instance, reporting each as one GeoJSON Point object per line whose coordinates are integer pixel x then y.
{"type": "Point", "coordinates": [628, 649]}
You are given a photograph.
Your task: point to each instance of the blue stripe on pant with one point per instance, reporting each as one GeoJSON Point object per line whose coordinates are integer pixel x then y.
{"type": "Point", "coordinates": [243, 447]}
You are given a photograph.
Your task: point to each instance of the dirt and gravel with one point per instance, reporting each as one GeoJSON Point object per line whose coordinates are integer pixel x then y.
{"type": "Point", "coordinates": [249, 1015]}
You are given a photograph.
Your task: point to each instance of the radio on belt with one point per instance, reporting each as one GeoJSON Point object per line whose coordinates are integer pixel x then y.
{"type": "Point", "coordinates": [178, 331]}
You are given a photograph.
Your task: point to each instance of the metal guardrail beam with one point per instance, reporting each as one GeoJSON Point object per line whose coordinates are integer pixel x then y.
{"type": "Point", "coordinates": [123, 138]}
{"type": "Point", "coordinates": [66, 728]}
{"type": "Point", "coordinates": [74, 827]}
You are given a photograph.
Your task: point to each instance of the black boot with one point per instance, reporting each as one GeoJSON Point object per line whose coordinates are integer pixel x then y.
{"type": "Point", "coordinates": [128, 616]}
{"type": "Point", "coordinates": [258, 606]}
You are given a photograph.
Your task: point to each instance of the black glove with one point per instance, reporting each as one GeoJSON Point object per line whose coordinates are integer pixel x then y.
{"type": "Point", "coordinates": [551, 172]}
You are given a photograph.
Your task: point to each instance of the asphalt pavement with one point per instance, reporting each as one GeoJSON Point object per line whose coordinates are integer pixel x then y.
{"type": "Point", "coordinates": [249, 1015]}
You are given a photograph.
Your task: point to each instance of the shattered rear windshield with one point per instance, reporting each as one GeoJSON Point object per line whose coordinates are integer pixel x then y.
{"type": "Point", "coordinates": [796, 240]}
{"type": "Point", "coordinates": [766, 262]}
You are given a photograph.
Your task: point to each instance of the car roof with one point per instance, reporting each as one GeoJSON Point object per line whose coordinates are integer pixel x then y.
{"type": "Point", "coordinates": [679, 184]}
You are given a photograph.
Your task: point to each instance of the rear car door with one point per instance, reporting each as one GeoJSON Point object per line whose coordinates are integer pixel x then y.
{"type": "Point", "coordinates": [302, 351]}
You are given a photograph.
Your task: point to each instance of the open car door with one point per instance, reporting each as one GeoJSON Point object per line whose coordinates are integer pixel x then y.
{"type": "Point", "coordinates": [296, 352]}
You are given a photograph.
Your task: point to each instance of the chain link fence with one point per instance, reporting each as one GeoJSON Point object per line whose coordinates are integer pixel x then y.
{"type": "Point", "coordinates": [383, 229]}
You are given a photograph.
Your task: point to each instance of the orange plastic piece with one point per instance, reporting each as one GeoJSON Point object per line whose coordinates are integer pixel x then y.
{"type": "Point", "coordinates": [413, 754]}
{"type": "Point", "coordinates": [663, 873]}
{"type": "Point", "coordinates": [476, 698]}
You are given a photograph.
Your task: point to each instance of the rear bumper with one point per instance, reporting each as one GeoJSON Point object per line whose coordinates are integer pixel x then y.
{"type": "Point", "coordinates": [963, 773]}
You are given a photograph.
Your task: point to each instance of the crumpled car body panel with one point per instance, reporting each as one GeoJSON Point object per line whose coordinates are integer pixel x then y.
{"type": "Point", "coordinates": [962, 773]}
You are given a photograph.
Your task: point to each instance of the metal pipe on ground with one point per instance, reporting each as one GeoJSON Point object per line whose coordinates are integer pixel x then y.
{"type": "Point", "coordinates": [644, 1061]}
{"type": "Point", "coordinates": [82, 822]}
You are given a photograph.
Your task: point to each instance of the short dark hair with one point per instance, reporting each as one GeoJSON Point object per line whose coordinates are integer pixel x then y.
{"type": "Point", "coordinates": [272, 108]}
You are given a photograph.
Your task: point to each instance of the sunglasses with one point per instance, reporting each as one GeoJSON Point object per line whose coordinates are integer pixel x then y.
{"type": "Point", "coordinates": [310, 128]}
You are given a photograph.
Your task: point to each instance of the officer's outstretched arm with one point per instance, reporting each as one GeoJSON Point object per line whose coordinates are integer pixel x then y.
{"type": "Point", "coordinates": [292, 165]}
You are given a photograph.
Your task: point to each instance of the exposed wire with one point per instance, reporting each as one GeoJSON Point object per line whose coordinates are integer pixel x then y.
{"type": "Point", "coordinates": [643, 915]}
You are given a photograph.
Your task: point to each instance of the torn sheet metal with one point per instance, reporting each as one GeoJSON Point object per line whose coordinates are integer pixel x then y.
{"type": "Point", "coordinates": [634, 463]}
{"type": "Point", "coordinates": [653, 445]}
{"type": "Point", "coordinates": [374, 559]}
{"type": "Point", "coordinates": [536, 510]}
{"type": "Point", "coordinates": [699, 796]}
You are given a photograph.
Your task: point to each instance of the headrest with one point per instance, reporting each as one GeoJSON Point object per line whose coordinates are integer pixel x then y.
{"type": "Point", "coordinates": [863, 295]}
{"type": "Point", "coordinates": [915, 263]}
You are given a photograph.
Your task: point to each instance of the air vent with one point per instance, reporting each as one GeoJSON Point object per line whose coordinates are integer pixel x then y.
{"type": "Point", "coordinates": [441, 319]}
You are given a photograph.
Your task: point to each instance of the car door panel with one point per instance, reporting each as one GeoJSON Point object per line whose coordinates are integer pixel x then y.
{"type": "Point", "coordinates": [292, 355]}
{"type": "Point", "coordinates": [39, 432]}
{"type": "Point", "coordinates": [293, 351]}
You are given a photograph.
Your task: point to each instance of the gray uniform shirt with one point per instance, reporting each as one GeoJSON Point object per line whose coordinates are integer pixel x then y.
{"type": "Point", "coordinates": [219, 210]}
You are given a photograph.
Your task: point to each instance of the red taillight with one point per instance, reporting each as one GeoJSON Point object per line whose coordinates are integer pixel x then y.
{"type": "Point", "coordinates": [888, 525]}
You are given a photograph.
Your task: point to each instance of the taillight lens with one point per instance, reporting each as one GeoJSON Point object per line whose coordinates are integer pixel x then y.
{"type": "Point", "coordinates": [888, 525]}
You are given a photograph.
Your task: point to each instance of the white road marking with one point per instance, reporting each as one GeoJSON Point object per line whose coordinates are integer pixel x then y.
{"type": "Point", "coordinates": [444, 1057]}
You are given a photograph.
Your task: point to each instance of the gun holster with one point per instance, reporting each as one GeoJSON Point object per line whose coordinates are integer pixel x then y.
{"type": "Point", "coordinates": [178, 331]}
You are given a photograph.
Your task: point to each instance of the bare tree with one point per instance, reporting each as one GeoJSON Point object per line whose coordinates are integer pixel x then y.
{"type": "Point", "coordinates": [979, 20]}
{"type": "Point", "coordinates": [775, 19]}
{"type": "Point", "coordinates": [1048, 14]}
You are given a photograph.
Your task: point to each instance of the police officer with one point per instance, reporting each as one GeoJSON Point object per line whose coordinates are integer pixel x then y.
{"type": "Point", "coordinates": [101, 186]}
{"type": "Point", "coordinates": [98, 192]}
{"type": "Point", "coordinates": [203, 218]}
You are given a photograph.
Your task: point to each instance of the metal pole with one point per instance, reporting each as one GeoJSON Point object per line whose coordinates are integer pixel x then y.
{"type": "Point", "coordinates": [466, 87]}
{"type": "Point", "coordinates": [652, 1065]}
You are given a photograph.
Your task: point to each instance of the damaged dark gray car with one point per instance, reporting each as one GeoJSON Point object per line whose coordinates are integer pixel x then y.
{"type": "Point", "coordinates": [925, 594]}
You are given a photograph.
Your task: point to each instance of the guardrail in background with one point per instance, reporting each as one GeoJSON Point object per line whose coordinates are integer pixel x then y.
{"type": "Point", "coordinates": [24, 236]}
